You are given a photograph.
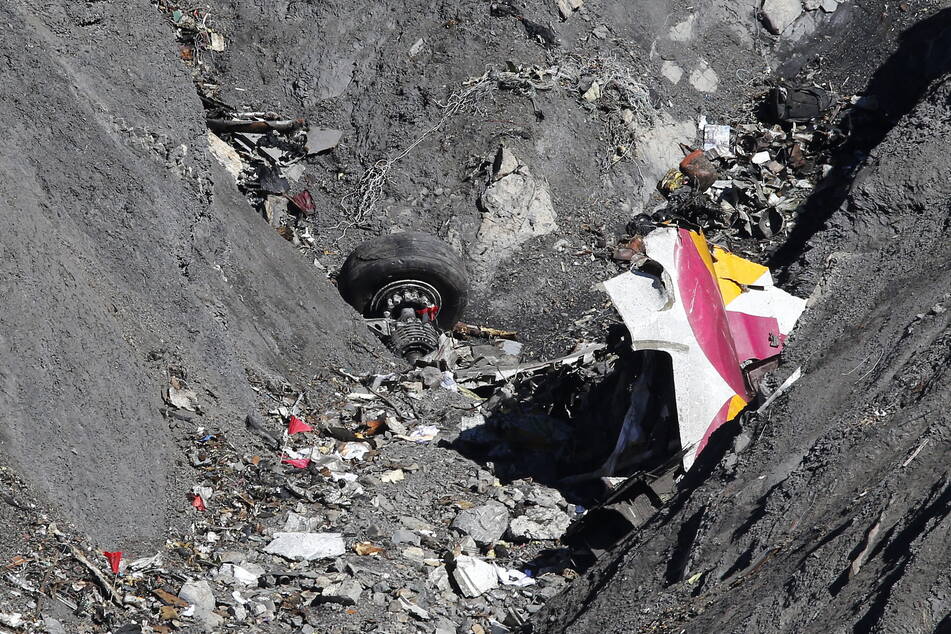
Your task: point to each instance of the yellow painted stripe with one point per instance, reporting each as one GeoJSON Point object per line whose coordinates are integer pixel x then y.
{"type": "Point", "coordinates": [736, 406]}
{"type": "Point", "coordinates": [730, 269]}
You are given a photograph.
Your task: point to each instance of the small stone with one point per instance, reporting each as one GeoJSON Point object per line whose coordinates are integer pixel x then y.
{"type": "Point", "coordinates": [741, 442]}
{"type": "Point", "coordinates": [682, 31]}
{"type": "Point", "coordinates": [344, 593]}
{"type": "Point", "coordinates": [404, 537]}
{"type": "Point", "coordinates": [439, 579]}
{"type": "Point", "coordinates": [297, 523]}
{"type": "Point", "coordinates": [416, 48]}
{"type": "Point", "coordinates": [703, 78]}
{"type": "Point", "coordinates": [543, 496]}
{"type": "Point", "coordinates": [672, 72]}
{"type": "Point", "coordinates": [246, 574]}
{"type": "Point", "coordinates": [601, 32]}
{"type": "Point", "coordinates": [593, 93]}
{"type": "Point", "coordinates": [431, 376]}
{"type": "Point", "coordinates": [199, 594]}
{"type": "Point", "coordinates": [485, 524]}
{"type": "Point", "coordinates": [415, 524]}
{"type": "Point", "coordinates": [392, 476]}
{"type": "Point", "coordinates": [474, 576]}
{"type": "Point", "coordinates": [306, 546]}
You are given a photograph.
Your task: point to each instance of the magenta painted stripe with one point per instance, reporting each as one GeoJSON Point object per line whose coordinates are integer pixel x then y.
{"type": "Point", "coordinates": [705, 312]}
{"type": "Point", "coordinates": [751, 334]}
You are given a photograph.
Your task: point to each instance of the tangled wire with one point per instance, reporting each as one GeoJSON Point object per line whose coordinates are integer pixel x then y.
{"type": "Point", "coordinates": [569, 72]}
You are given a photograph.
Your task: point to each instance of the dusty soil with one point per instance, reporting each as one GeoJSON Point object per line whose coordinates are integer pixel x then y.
{"type": "Point", "coordinates": [130, 257]}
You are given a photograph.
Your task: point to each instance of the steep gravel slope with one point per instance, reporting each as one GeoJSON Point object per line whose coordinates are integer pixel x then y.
{"type": "Point", "coordinates": [126, 251]}
{"type": "Point", "coordinates": [836, 516]}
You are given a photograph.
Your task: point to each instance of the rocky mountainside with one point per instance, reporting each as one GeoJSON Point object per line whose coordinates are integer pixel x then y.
{"type": "Point", "coordinates": [167, 311]}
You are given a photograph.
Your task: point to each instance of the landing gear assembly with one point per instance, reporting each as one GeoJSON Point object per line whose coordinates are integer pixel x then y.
{"type": "Point", "coordinates": [408, 286]}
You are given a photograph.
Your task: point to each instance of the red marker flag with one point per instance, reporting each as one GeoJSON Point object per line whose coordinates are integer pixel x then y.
{"type": "Point", "coordinates": [114, 559]}
{"type": "Point", "coordinates": [296, 426]}
{"type": "Point", "coordinates": [198, 502]}
{"type": "Point", "coordinates": [300, 463]}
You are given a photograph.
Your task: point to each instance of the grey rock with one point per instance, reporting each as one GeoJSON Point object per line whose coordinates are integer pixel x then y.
{"type": "Point", "coordinates": [199, 594]}
{"type": "Point", "coordinates": [780, 14]}
{"type": "Point", "coordinates": [431, 376]}
{"type": "Point", "coordinates": [53, 626]}
{"type": "Point", "coordinates": [671, 72]}
{"type": "Point", "coordinates": [297, 523]}
{"type": "Point", "coordinates": [539, 522]}
{"type": "Point", "coordinates": [415, 524]}
{"type": "Point", "coordinates": [516, 207]}
{"type": "Point", "coordinates": [402, 536]}
{"type": "Point", "coordinates": [741, 442]}
{"type": "Point", "coordinates": [439, 579]}
{"type": "Point", "coordinates": [543, 496]}
{"type": "Point", "coordinates": [485, 524]}
{"type": "Point", "coordinates": [246, 574]}
{"type": "Point", "coordinates": [343, 593]}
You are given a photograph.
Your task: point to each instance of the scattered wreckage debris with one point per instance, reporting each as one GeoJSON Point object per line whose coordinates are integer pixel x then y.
{"type": "Point", "coordinates": [264, 152]}
{"type": "Point", "coordinates": [748, 181]}
{"type": "Point", "coordinates": [620, 421]}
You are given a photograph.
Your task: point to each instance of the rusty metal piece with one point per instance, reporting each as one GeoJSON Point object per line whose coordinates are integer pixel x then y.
{"type": "Point", "coordinates": [699, 170]}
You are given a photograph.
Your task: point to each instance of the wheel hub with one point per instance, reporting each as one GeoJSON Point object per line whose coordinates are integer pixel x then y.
{"type": "Point", "coordinates": [392, 299]}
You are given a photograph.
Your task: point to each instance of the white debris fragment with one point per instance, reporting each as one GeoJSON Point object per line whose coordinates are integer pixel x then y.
{"type": "Point", "coordinates": [226, 155]}
{"type": "Point", "coordinates": [474, 576]}
{"type": "Point", "coordinates": [760, 158]}
{"type": "Point", "coordinates": [510, 577]}
{"type": "Point", "coordinates": [181, 397]}
{"type": "Point", "coordinates": [421, 433]}
{"type": "Point", "coordinates": [306, 546]}
{"type": "Point", "coordinates": [246, 575]}
{"type": "Point", "coordinates": [12, 619]}
{"type": "Point", "coordinates": [354, 450]}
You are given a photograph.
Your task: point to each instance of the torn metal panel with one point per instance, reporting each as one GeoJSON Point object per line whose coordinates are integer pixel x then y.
{"type": "Point", "coordinates": [713, 313]}
{"type": "Point", "coordinates": [486, 376]}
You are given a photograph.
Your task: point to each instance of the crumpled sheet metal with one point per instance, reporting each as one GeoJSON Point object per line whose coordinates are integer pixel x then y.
{"type": "Point", "coordinates": [711, 311]}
